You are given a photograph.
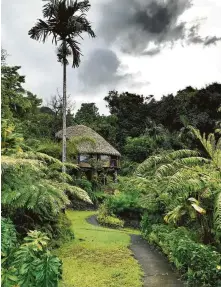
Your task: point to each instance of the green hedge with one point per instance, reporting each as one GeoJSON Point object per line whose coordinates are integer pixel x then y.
{"type": "Point", "coordinates": [110, 221]}
{"type": "Point", "coordinates": [200, 264]}
{"type": "Point", "coordinates": [107, 219]}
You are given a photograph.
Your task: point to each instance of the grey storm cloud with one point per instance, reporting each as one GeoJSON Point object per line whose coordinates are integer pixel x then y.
{"type": "Point", "coordinates": [195, 38]}
{"type": "Point", "coordinates": [152, 52]}
{"type": "Point", "coordinates": [209, 40]}
{"type": "Point", "coordinates": [133, 24]}
{"type": "Point", "coordinates": [101, 68]}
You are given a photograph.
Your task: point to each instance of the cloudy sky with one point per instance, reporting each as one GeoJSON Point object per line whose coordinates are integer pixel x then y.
{"type": "Point", "coordinates": [144, 46]}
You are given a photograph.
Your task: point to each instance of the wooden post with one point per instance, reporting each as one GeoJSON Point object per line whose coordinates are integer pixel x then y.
{"type": "Point", "coordinates": [115, 176]}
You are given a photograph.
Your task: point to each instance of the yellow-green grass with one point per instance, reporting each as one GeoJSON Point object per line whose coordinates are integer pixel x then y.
{"type": "Point", "coordinates": [98, 256]}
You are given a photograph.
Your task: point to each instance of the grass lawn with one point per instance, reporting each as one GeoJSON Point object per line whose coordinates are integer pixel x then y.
{"type": "Point", "coordinates": [98, 257]}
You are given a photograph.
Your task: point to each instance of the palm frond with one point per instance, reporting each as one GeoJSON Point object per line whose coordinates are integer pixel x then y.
{"type": "Point", "coordinates": [40, 31]}
{"type": "Point", "coordinates": [63, 52]}
{"type": "Point", "coordinates": [76, 51]}
{"type": "Point", "coordinates": [82, 6]}
{"type": "Point", "coordinates": [49, 8]}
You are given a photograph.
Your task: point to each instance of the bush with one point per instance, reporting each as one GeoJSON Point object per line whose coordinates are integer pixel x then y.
{"type": "Point", "coordinates": [110, 221]}
{"type": "Point", "coordinates": [100, 196]}
{"type": "Point", "coordinates": [50, 148]}
{"type": "Point", "coordinates": [199, 263]}
{"type": "Point", "coordinates": [28, 264]}
{"type": "Point", "coordinates": [84, 184]}
{"type": "Point", "coordinates": [77, 203]}
{"type": "Point", "coordinates": [147, 221]}
{"type": "Point", "coordinates": [61, 231]}
{"type": "Point", "coordinates": [95, 196]}
{"type": "Point", "coordinates": [121, 202]}
{"type": "Point", "coordinates": [127, 167]}
{"type": "Point", "coordinates": [107, 219]}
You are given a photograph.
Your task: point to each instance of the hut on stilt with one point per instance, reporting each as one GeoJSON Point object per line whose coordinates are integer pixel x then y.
{"type": "Point", "coordinates": [95, 154]}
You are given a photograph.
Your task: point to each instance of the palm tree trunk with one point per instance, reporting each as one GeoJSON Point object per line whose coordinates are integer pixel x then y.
{"type": "Point", "coordinates": [64, 135]}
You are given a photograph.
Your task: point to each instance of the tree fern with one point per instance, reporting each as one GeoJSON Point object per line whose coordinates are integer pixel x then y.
{"type": "Point", "coordinates": [211, 145]}
{"type": "Point", "coordinates": [184, 174]}
{"type": "Point", "coordinates": [37, 184]}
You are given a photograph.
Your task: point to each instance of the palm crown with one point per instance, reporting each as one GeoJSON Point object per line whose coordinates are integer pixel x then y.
{"type": "Point", "coordinates": [65, 21]}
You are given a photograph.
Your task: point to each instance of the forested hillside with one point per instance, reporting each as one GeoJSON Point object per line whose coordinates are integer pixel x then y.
{"type": "Point", "coordinates": [132, 118]}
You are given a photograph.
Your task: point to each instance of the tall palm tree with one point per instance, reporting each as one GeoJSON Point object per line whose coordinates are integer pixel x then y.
{"type": "Point", "coordinates": [65, 21]}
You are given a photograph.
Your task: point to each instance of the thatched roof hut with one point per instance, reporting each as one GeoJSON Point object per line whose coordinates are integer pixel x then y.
{"type": "Point", "coordinates": [99, 147]}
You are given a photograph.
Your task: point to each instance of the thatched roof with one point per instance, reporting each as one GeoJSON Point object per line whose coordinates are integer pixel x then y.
{"type": "Point", "coordinates": [101, 146]}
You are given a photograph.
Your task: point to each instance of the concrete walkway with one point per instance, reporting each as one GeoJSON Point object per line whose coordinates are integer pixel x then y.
{"type": "Point", "coordinates": [157, 271]}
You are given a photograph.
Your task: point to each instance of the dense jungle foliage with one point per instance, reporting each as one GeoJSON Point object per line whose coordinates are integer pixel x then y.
{"type": "Point", "coordinates": [170, 178]}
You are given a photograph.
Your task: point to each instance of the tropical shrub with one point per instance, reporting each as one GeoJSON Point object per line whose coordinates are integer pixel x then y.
{"type": "Point", "coordinates": [100, 196]}
{"type": "Point", "coordinates": [155, 139]}
{"type": "Point", "coordinates": [183, 189]}
{"type": "Point", "coordinates": [29, 263]}
{"type": "Point", "coordinates": [11, 140]}
{"type": "Point", "coordinates": [122, 202]}
{"type": "Point", "coordinates": [200, 264]}
{"type": "Point", "coordinates": [148, 220]}
{"type": "Point", "coordinates": [127, 167]}
{"type": "Point", "coordinates": [50, 148]}
{"type": "Point", "coordinates": [125, 198]}
{"type": "Point", "coordinates": [61, 231]}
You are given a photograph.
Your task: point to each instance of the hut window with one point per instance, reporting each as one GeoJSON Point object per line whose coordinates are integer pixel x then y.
{"type": "Point", "coordinates": [84, 158]}
{"type": "Point", "coordinates": [113, 162]}
{"type": "Point", "coordinates": [105, 159]}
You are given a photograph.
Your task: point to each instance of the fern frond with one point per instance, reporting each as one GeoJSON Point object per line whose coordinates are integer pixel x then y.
{"type": "Point", "coordinates": [77, 191]}
{"type": "Point", "coordinates": [71, 165]}
{"type": "Point", "coordinates": [212, 147]}
{"type": "Point", "coordinates": [150, 165]}
{"type": "Point", "coordinates": [183, 153]}
{"type": "Point", "coordinates": [40, 156]}
{"type": "Point", "coordinates": [217, 214]}
{"type": "Point", "coordinates": [174, 215]}
{"type": "Point", "coordinates": [12, 162]}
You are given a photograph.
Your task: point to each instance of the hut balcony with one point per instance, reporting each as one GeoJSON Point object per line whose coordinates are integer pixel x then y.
{"type": "Point", "coordinates": [98, 161]}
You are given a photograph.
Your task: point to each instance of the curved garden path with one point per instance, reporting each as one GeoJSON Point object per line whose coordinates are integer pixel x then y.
{"type": "Point", "coordinates": [157, 271]}
{"type": "Point", "coordinates": [100, 257]}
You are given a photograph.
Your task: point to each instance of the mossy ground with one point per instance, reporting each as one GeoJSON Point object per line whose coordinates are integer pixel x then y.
{"type": "Point", "coordinates": [98, 256]}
